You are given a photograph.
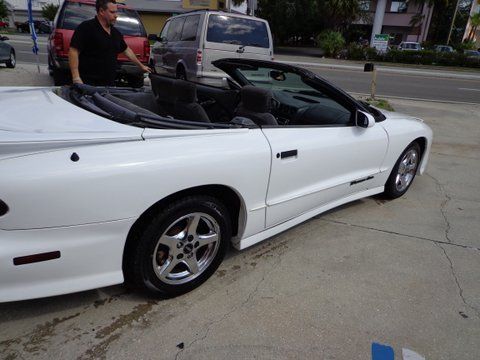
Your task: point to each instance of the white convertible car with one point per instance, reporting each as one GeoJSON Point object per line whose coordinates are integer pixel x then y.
{"type": "Point", "coordinates": [104, 185]}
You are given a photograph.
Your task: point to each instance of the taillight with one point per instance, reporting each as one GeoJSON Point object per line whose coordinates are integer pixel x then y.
{"type": "Point", "coordinates": [58, 41]}
{"type": "Point", "coordinates": [146, 49]}
{"type": "Point", "coordinates": [199, 57]}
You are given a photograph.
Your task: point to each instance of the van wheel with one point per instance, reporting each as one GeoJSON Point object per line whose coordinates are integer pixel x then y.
{"type": "Point", "coordinates": [181, 74]}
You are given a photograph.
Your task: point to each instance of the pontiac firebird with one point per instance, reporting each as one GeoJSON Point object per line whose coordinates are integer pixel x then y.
{"type": "Point", "coordinates": [104, 185]}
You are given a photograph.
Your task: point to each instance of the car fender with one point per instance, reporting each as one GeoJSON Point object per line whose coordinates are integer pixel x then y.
{"type": "Point", "coordinates": [118, 181]}
{"type": "Point", "coordinates": [402, 130]}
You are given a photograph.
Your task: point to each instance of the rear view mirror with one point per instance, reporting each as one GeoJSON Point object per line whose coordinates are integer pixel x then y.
{"type": "Point", "coordinates": [363, 119]}
{"type": "Point", "coordinates": [277, 75]}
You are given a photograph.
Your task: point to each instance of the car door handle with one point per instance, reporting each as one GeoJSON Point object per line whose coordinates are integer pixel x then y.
{"type": "Point", "coordinates": [287, 154]}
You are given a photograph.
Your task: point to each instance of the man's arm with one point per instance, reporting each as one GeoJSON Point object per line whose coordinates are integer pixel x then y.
{"type": "Point", "coordinates": [73, 63]}
{"type": "Point", "coordinates": [129, 53]}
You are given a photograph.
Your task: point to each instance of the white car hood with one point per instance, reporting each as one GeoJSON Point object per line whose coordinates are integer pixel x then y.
{"type": "Point", "coordinates": [36, 119]}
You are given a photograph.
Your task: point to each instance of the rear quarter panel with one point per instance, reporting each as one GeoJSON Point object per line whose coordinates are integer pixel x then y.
{"type": "Point", "coordinates": [120, 181]}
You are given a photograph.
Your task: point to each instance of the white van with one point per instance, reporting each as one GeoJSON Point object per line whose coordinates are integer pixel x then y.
{"type": "Point", "coordinates": [190, 42]}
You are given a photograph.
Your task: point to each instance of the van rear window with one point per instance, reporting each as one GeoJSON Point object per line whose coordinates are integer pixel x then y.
{"type": "Point", "coordinates": [239, 31]}
{"type": "Point", "coordinates": [128, 22]}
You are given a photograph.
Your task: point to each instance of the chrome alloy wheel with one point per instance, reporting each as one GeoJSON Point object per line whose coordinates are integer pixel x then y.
{"type": "Point", "coordinates": [406, 170]}
{"type": "Point", "coordinates": [186, 249]}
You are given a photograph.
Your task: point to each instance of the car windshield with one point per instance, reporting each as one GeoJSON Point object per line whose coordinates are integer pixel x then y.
{"type": "Point", "coordinates": [411, 46]}
{"type": "Point", "coordinates": [128, 21]}
{"type": "Point", "coordinates": [238, 31]}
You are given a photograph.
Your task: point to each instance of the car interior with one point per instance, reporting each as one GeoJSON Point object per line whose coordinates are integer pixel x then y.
{"type": "Point", "coordinates": [275, 98]}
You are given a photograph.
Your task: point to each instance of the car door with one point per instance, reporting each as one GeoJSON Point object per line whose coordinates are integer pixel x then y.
{"type": "Point", "coordinates": [318, 153]}
{"type": "Point", "coordinates": [315, 165]}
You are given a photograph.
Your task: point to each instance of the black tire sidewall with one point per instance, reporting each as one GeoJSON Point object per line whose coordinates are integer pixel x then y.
{"type": "Point", "coordinates": [390, 186]}
{"type": "Point", "coordinates": [144, 275]}
{"type": "Point", "coordinates": [9, 64]}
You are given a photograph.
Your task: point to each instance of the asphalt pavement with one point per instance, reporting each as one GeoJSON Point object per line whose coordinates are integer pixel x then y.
{"type": "Point", "coordinates": [393, 80]}
{"type": "Point", "coordinates": [402, 274]}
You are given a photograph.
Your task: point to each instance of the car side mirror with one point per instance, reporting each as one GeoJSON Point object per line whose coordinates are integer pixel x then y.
{"type": "Point", "coordinates": [225, 84]}
{"type": "Point", "coordinates": [363, 119]}
{"type": "Point", "coordinates": [153, 37]}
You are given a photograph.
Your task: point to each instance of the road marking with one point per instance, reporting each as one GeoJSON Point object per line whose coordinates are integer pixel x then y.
{"type": "Point", "coordinates": [31, 53]}
{"type": "Point", "coordinates": [26, 42]}
{"type": "Point", "coordinates": [408, 354]}
{"type": "Point", "coordinates": [468, 89]}
{"type": "Point", "coordinates": [353, 93]}
{"type": "Point", "coordinates": [380, 68]}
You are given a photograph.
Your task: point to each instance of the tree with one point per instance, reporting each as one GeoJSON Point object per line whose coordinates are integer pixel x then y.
{"type": "Point", "coordinates": [474, 23]}
{"type": "Point", "coordinates": [417, 21]}
{"type": "Point", "coordinates": [340, 14]}
{"type": "Point", "coordinates": [49, 11]}
{"type": "Point", "coordinates": [3, 9]}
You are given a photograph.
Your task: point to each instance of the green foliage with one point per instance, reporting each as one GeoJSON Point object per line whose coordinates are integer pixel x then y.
{"type": "Point", "coordinates": [380, 103]}
{"type": "Point", "coordinates": [49, 11]}
{"type": "Point", "coordinates": [466, 45]}
{"type": "Point", "coordinates": [331, 42]}
{"type": "Point", "coordinates": [3, 9]}
{"type": "Point", "coordinates": [424, 57]}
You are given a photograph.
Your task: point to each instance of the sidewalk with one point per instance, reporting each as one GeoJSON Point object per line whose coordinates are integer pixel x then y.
{"type": "Point", "coordinates": [25, 75]}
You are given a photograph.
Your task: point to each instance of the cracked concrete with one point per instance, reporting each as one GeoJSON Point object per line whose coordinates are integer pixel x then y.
{"type": "Point", "coordinates": [402, 272]}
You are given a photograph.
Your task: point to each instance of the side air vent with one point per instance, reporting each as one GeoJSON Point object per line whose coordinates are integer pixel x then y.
{"type": "Point", "coordinates": [3, 208]}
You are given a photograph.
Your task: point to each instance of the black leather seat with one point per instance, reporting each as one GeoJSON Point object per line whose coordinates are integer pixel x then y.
{"type": "Point", "coordinates": [255, 104]}
{"type": "Point", "coordinates": [163, 89]}
{"type": "Point", "coordinates": [186, 106]}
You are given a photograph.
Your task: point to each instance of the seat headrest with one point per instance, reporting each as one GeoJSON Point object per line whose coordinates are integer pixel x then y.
{"type": "Point", "coordinates": [256, 99]}
{"type": "Point", "coordinates": [186, 91]}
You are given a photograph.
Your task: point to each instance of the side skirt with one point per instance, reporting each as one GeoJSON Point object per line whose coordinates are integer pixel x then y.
{"type": "Point", "coordinates": [252, 240]}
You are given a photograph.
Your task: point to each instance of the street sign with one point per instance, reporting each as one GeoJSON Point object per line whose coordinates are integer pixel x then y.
{"type": "Point", "coordinates": [380, 42]}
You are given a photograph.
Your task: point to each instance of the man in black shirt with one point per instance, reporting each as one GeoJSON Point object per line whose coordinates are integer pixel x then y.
{"type": "Point", "coordinates": [95, 45]}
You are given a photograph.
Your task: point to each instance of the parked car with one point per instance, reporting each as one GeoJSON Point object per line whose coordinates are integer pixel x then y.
{"type": "Point", "coordinates": [189, 43]}
{"type": "Point", "coordinates": [410, 46]}
{"type": "Point", "coordinates": [7, 53]}
{"type": "Point", "coordinates": [472, 56]}
{"type": "Point", "coordinates": [106, 184]}
{"type": "Point", "coordinates": [70, 15]}
{"type": "Point", "coordinates": [443, 48]}
{"type": "Point", "coordinates": [4, 24]}
{"type": "Point", "coordinates": [41, 26]}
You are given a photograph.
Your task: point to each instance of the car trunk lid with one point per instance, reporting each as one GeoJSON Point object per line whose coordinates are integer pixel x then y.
{"type": "Point", "coordinates": [37, 119]}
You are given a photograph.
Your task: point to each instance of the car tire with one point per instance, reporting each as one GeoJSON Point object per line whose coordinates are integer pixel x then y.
{"type": "Point", "coordinates": [12, 61]}
{"type": "Point", "coordinates": [181, 74]}
{"type": "Point", "coordinates": [403, 172]}
{"type": "Point", "coordinates": [180, 247]}
{"type": "Point", "coordinates": [60, 77]}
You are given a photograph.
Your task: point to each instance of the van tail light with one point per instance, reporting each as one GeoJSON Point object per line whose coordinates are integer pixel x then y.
{"type": "Point", "coordinates": [58, 42]}
{"type": "Point", "coordinates": [199, 57]}
{"type": "Point", "coordinates": [146, 50]}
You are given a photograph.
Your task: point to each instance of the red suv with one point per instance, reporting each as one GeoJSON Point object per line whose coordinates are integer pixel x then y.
{"type": "Point", "coordinates": [70, 15]}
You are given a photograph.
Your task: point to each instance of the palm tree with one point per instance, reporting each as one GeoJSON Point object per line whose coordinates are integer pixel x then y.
{"type": "Point", "coordinates": [417, 20]}
{"type": "Point", "coordinates": [474, 23]}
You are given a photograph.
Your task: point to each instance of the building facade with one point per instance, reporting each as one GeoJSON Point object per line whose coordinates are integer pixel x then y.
{"type": "Point", "coordinates": [402, 20]}
{"type": "Point", "coordinates": [17, 9]}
